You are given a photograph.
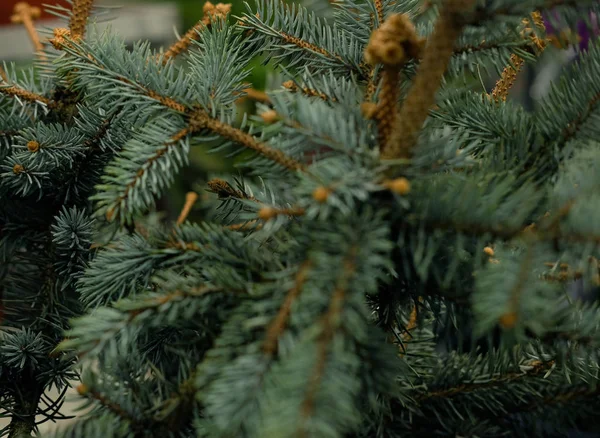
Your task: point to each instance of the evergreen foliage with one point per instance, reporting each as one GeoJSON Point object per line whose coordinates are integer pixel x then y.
{"type": "Point", "coordinates": [398, 258]}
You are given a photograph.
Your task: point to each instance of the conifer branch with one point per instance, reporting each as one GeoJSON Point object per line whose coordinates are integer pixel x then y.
{"type": "Point", "coordinates": [79, 17]}
{"type": "Point", "coordinates": [305, 45]}
{"type": "Point", "coordinates": [268, 213]}
{"type": "Point", "coordinates": [279, 323]}
{"type": "Point", "coordinates": [18, 92]}
{"type": "Point", "coordinates": [421, 96]}
{"type": "Point", "coordinates": [85, 391]}
{"type": "Point", "coordinates": [257, 95]}
{"type": "Point", "coordinates": [410, 326]}
{"type": "Point", "coordinates": [537, 368]}
{"type": "Point", "coordinates": [201, 120]}
{"type": "Point", "coordinates": [509, 319]}
{"type": "Point", "coordinates": [174, 140]}
{"type": "Point", "coordinates": [509, 75]}
{"type": "Point", "coordinates": [224, 190]}
{"type": "Point", "coordinates": [572, 128]}
{"type": "Point", "coordinates": [250, 225]}
{"type": "Point", "coordinates": [329, 328]}
{"type": "Point", "coordinates": [211, 12]}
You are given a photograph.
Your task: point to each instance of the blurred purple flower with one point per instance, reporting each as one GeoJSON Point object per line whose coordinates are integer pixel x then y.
{"type": "Point", "coordinates": [584, 33]}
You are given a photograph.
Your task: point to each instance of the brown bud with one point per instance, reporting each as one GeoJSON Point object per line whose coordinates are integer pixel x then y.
{"type": "Point", "coordinates": [267, 213]}
{"type": "Point", "coordinates": [33, 146]}
{"type": "Point", "coordinates": [321, 194]}
{"type": "Point", "coordinates": [110, 214]}
{"type": "Point", "coordinates": [508, 320]}
{"type": "Point", "coordinates": [17, 168]}
{"type": "Point", "coordinates": [270, 116]}
{"type": "Point", "coordinates": [82, 389]}
{"type": "Point", "coordinates": [392, 53]}
{"type": "Point", "coordinates": [208, 6]}
{"type": "Point", "coordinates": [290, 85]}
{"type": "Point", "coordinates": [489, 251]}
{"type": "Point", "coordinates": [400, 186]}
{"type": "Point", "coordinates": [368, 109]}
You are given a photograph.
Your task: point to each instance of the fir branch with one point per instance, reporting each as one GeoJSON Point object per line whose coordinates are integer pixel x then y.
{"type": "Point", "coordinates": [509, 75]}
{"type": "Point", "coordinates": [573, 128]}
{"type": "Point", "coordinates": [173, 141]}
{"type": "Point", "coordinates": [509, 319]}
{"type": "Point", "coordinates": [279, 323]}
{"type": "Point", "coordinates": [79, 17]}
{"type": "Point", "coordinates": [211, 12]}
{"type": "Point", "coordinates": [311, 92]}
{"type": "Point", "coordinates": [20, 93]}
{"type": "Point", "coordinates": [329, 328]}
{"type": "Point", "coordinates": [537, 368]}
{"type": "Point", "coordinates": [268, 213]}
{"type": "Point", "coordinates": [201, 120]}
{"type": "Point", "coordinates": [114, 407]}
{"type": "Point", "coordinates": [421, 96]}
{"type": "Point", "coordinates": [224, 190]}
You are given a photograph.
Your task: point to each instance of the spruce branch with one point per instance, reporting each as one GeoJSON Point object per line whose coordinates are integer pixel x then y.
{"type": "Point", "coordinates": [79, 17]}
{"type": "Point", "coordinates": [307, 91]}
{"type": "Point", "coordinates": [573, 128]}
{"type": "Point", "coordinates": [329, 327]}
{"type": "Point", "coordinates": [20, 93]}
{"type": "Point", "coordinates": [114, 407]}
{"type": "Point", "coordinates": [201, 120]}
{"type": "Point", "coordinates": [211, 12]}
{"type": "Point", "coordinates": [536, 368]}
{"type": "Point", "coordinates": [122, 199]}
{"type": "Point", "coordinates": [268, 213]}
{"type": "Point", "coordinates": [509, 74]}
{"type": "Point", "coordinates": [421, 96]}
{"type": "Point", "coordinates": [279, 323]}
{"type": "Point", "coordinates": [224, 190]}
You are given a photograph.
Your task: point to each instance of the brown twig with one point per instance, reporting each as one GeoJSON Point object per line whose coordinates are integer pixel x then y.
{"type": "Point", "coordinates": [421, 96]}
{"type": "Point", "coordinates": [25, 13]}
{"type": "Point", "coordinates": [190, 200]}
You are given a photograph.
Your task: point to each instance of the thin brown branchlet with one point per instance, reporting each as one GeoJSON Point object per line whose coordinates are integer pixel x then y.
{"type": "Point", "coordinates": [190, 200]}
{"type": "Point", "coordinates": [25, 13]}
